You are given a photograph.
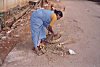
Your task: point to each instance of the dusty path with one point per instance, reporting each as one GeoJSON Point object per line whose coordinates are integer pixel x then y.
{"type": "Point", "coordinates": [81, 24]}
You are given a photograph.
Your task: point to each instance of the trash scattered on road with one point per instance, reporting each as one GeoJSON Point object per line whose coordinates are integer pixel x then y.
{"type": "Point", "coordinates": [16, 36]}
{"type": "Point", "coordinates": [9, 31]}
{"type": "Point", "coordinates": [4, 37]}
{"type": "Point", "coordinates": [59, 45]}
{"type": "Point", "coordinates": [53, 39]}
{"type": "Point", "coordinates": [71, 52]}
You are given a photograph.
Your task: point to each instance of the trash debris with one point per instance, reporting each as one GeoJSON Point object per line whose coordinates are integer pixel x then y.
{"type": "Point", "coordinates": [53, 39]}
{"type": "Point", "coordinates": [6, 28]}
{"type": "Point", "coordinates": [62, 43]}
{"type": "Point", "coordinates": [9, 31]}
{"type": "Point", "coordinates": [59, 45]}
{"type": "Point", "coordinates": [16, 36]}
{"type": "Point", "coordinates": [4, 37]}
{"type": "Point", "coordinates": [21, 24]}
{"type": "Point", "coordinates": [71, 52]}
{"type": "Point", "coordinates": [43, 51]}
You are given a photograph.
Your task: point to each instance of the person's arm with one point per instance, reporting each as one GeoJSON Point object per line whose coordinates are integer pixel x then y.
{"type": "Point", "coordinates": [53, 20]}
{"type": "Point", "coordinates": [50, 29]}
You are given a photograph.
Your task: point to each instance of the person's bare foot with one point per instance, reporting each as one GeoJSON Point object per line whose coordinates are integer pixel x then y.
{"type": "Point", "coordinates": [37, 51]}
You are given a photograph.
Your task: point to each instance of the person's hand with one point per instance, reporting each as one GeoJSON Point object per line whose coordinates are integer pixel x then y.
{"type": "Point", "coordinates": [54, 35]}
{"type": "Point", "coordinates": [50, 29]}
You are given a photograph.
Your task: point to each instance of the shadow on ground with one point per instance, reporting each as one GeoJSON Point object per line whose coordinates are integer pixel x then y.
{"type": "Point", "coordinates": [94, 0]}
{"type": "Point", "coordinates": [97, 1]}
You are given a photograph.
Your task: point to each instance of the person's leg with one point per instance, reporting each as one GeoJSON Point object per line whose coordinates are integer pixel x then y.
{"type": "Point", "coordinates": [42, 38]}
{"type": "Point", "coordinates": [42, 35]}
{"type": "Point", "coordinates": [36, 24]}
{"type": "Point", "coordinates": [36, 41]}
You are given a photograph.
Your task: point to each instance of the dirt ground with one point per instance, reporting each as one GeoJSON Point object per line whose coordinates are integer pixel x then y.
{"type": "Point", "coordinates": [79, 27]}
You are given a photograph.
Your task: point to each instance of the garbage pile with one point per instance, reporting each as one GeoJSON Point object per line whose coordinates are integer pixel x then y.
{"type": "Point", "coordinates": [55, 46]}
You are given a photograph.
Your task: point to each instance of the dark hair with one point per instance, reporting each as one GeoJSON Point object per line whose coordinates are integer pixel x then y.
{"type": "Point", "coordinates": [58, 12]}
